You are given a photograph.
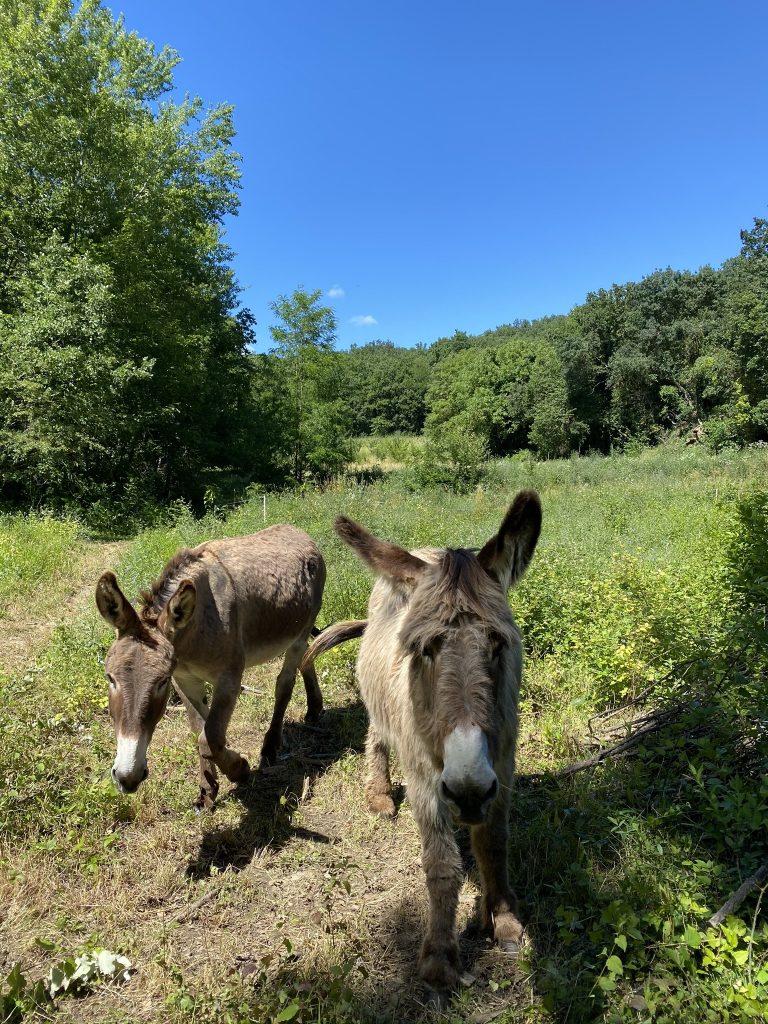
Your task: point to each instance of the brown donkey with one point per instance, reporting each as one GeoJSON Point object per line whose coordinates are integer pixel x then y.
{"type": "Point", "coordinates": [439, 671]}
{"type": "Point", "coordinates": [215, 610]}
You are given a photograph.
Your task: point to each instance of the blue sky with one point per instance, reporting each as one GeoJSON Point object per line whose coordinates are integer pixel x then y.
{"type": "Point", "coordinates": [455, 165]}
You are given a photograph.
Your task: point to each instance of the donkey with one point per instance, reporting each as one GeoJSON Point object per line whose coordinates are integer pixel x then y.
{"type": "Point", "coordinates": [439, 671]}
{"type": "Point", "coordinates": [215, 610]}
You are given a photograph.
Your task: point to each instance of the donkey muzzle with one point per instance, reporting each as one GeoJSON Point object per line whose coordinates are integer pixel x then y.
{"type": "Point", "coordinates": [130, 767]}
{"type": "Point", "coordinates": [468, 784]}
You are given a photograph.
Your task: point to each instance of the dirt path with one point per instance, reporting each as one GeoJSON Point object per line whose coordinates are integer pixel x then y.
{"type": "Point", "coordinates": [27, 626]}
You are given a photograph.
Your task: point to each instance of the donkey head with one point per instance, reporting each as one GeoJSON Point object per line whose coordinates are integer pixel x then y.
{"type": "Point", "coordinates": [138, 666]}
{"type": "Point", "coordinates": [463, 649]}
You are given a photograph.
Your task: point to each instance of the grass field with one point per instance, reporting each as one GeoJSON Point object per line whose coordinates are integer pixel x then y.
{"type": "Point", "coordinates": [289, 902]}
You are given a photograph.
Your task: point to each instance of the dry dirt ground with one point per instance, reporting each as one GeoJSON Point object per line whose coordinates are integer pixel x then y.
{"type": "Point", "coordinates": [290, 866]}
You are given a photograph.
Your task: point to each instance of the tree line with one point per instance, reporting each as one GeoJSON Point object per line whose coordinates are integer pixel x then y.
{"type": "Point", "coordinates": [127, 365]}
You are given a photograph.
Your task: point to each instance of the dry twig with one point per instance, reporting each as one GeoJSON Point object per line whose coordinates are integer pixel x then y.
{"type": "Point", "coordinates": [653, 722]}
{"type": "Point", "coordinates": [195, 905]}
{"type": "Point", "coordinates": [736, 898]}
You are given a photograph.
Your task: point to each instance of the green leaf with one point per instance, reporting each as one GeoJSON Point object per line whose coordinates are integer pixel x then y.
{"type": "Point", "coordinates": [740, 956]}
{"type": "Point", "coordinates": [692, 937]}
{"type": "Point", "coordinates": [621, 942]}
{"type": "Point", "coordinates": [288, 1013]}
{"type": "Point", "coordinates": [606, 984]}
{"type": "Point", "coordinates": [614, 965]}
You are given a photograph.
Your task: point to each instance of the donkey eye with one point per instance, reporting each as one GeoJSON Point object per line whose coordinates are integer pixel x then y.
{"type": "Point", "coordinates": [111, 681]}
{"type": "Point", "coordinates": [429, 650]}
{"type": "Point", "coordinates": [162, 686]}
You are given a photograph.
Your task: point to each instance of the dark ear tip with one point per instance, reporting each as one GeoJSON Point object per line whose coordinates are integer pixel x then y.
{"type": "Point", "coordinates": [526, 503]}
{"type": "Point", "coordinates": [107, 578]}
{"type": "Point", "coordinates": [528, 497]}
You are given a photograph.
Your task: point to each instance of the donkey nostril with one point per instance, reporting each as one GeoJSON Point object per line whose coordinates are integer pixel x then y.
{"type": "Point", "coordinates": [145, 773]}
{"type": "Point", "coordinates": [447, 794]}
{"type": "Point", "coordinates": [492, 791]}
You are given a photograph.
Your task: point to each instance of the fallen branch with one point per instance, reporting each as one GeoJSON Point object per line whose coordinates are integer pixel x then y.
{"type": "Point", "coordinates": [686, 666]}
{"type": "Point", "coordinates": [195, 905]}
{"type": "Point", "coordinates": [321, 760]}
{"type": "Point", "coordinates": [653, 725]}
{"type": "Point", "coordinates": [736, 898]}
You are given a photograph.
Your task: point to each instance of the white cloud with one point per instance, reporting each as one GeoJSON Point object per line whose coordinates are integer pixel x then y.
{"type": "Point", "coordinates": [337, 292]}
{"type": "Point", "coordinates": [363, 321]}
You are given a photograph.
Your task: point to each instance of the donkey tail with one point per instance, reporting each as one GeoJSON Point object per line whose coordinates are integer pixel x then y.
{"type": "Point", "coordinates": [332, 636]}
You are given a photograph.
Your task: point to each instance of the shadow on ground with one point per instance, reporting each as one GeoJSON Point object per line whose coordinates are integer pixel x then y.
{"type": "Point", "coordinates": [271, 795]}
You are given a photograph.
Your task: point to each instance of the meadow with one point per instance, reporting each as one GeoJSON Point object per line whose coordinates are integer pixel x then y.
{"type": "Point", "coordinates": [644, 609]}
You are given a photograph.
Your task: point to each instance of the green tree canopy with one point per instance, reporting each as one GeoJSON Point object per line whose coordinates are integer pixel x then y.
{"type": "Point", "coordinates": [117, 327]}
{"type": "Point", "coordinates": [315, 415]}
{"type": "Point", "coordinates": [387, 387]}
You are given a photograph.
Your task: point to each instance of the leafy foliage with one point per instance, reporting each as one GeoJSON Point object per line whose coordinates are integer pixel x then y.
{"type": "Point", "coordinates": [632, 364]}
{"type": "Point", "coordinates": [651, 571]}
{"type": "Point", "coordinates": [314, 415]}
{"type": "Point", "coordinates": [117, 331]}
{"type": "Point", "coordinates": [386, 388]}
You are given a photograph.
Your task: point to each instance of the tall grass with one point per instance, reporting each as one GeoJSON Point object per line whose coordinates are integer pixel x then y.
{"type": "Point", "coordinates": [33, 550]}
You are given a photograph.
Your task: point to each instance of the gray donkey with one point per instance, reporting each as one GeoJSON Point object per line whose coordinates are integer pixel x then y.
{"type": "Point", "coordinates": [439, 672]}
{"type": "Point", "coordinates": [215, 610]}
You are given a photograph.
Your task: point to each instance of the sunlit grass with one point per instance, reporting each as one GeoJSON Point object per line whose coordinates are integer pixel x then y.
{"type": "Point", "coordinates": [631, 577]}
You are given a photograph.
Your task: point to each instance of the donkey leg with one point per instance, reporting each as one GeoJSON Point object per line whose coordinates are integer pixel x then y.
{"type": "Point", "coordinates": [283, 690]}
{"type": "Point", "coordinates": [499, 906]}
{"type": "Point", "coordinates": [314, 696]}
{"type": "Point", "coordinates": [439, 964]}
{"type": "Point", "coordinates": [191, 690]}
{"type": "Point", "coordinates": [213, 738]}
{"type": "Point", "coordinates": [378, 785]}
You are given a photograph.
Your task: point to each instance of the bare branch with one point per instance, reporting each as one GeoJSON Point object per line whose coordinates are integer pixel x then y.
{"type": "Point", "coordinates": [736, 898]}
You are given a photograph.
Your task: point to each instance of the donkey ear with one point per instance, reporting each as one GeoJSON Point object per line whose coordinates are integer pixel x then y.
{"type": "Point", "coordinates": [389, 560]}
{"type": "Point", "coordinates": [114, 606]}
{"type": "Point", "coordinates": [180, 608]}
{"type": "Point", "coordinates": [507, 555]}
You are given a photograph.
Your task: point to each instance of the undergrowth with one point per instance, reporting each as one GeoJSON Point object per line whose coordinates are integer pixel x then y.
{"type": "Point", "coordinates": [650, 584]}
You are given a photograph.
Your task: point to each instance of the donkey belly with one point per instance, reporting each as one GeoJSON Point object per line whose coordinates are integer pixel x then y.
{"type": "Point", "coordinates": [267, 648]}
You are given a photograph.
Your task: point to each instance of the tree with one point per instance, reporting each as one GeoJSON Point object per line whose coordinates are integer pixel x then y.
{"type": "Point", "coordinates": [745, 316]}
{"type": "Point", "coordinates": [316, 414]}
{"type": "Point", "coordinates": [118, 332]}
{"type": "Point", "coordinates": [387, 388]}
{"type": "Point", "coordinates": [505, 397]}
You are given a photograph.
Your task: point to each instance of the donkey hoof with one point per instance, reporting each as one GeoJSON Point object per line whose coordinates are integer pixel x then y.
{"type": "Point", "coordinates": [439, 1000]}
{"type": "Point", "coordinates": [209, 790]}
{"type": "Point", "coordinates": [206, 801]}
{"type": "Point", "coordinates": [439, 970]}
{"type": "Point", "coordinates": [510, 947]}
{"type": "Point", "coordinates": [382, 805]}
{"type": "Point", "coordinates": [313, 715]}
{"type": "Point", "coordinates": [268, 759]}
{"type": "Point", "coordinates": [240, 772]}
{"type": "Point", "coordinates": [509, 934]}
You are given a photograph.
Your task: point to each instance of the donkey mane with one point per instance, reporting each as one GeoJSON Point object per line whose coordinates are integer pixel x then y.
{"type": "Point", "coordinates": [457, 586]}
{"type": "Point", "coordinates": [155, 599]}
